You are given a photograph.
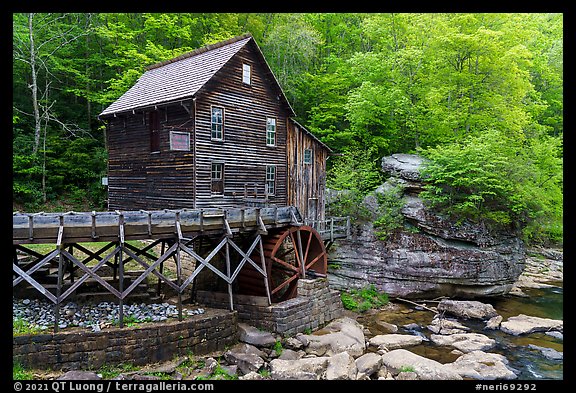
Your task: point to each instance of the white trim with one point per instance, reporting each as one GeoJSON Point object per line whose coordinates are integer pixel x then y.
{"type": "Point", "coordinates": [211, 123]}
{"type": "Point", "coordinates": [246, 74]}
{"type": "Point", "coordinates": [275, 131]}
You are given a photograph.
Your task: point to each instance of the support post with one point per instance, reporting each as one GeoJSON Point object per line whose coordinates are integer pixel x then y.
{"type": "Point", "coordinates": [332, 229]}
{"type": "Point", "coordinates": [159, 286]}
{"type": "Point", "coordinates": [179, 265]}
{"type": "Point", "coordinates": [302, 260]}
{"type": "Point", "coordinates": [59, 246]}
{"type": "Point", "coordinates": [228, 274]}
{"type": "Point", "coordinates": [121, 272]}
{"type": "Point", "coordinates": [263, 261]}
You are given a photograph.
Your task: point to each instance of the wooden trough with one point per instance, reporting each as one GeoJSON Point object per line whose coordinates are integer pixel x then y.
{"type": "Point", "coordinates": [75, 227]}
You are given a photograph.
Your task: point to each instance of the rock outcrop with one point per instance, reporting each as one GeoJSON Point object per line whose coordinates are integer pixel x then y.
{"type": "Point", "coordinates": [434, 257]}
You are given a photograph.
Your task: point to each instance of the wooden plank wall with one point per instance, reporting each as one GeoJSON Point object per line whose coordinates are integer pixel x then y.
{"type": "Point", "coordinates": [139, 179]}
{"type": "Point", "coordinates": [243, 151]}
{"type": "Point", "coordinates": [306, 181]}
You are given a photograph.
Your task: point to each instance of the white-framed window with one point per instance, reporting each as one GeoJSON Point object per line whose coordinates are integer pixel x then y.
{"type": "Point", "coordinates": [217, 123]}
{"type": "Point", "coordinates": [180, 140]}
{"type": "Point", "coordinates": [307, 156]}
{"type": "Point", "coordinates": [246, 73]}
{"type": "Point", "coordinates": [270, 131]}
{"type": "Point", "coordinates": [217, 178]}
{"type": "Point", "coordinates": [270, 179]}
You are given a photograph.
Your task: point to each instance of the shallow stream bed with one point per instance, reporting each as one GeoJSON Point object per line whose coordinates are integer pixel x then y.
{"type": "Point", "coordinates": [530, 363]}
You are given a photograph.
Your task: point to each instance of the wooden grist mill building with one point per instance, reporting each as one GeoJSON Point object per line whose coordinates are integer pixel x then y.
{"type": "Point", "coordinates": [212, 128]}
{"type": "Point", "coordinates": [205, 162]}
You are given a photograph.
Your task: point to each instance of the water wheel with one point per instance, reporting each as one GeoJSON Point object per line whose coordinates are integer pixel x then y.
{"type": "Point", "coordinates": [290, 254]}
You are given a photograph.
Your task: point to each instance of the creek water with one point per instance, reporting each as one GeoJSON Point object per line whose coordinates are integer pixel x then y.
{"type": "Point", "coordinates": [530, 363]}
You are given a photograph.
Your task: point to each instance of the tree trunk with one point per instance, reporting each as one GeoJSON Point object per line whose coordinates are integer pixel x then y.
{"type": "Point", "coordinates": [34, 86]}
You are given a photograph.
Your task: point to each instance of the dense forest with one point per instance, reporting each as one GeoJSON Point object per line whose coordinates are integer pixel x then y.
{"type": "Point", "coordinates": [480, 95]}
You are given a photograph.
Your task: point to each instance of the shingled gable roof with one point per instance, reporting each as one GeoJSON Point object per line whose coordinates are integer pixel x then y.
{"type": "Point", "coordinates": [183, 76]}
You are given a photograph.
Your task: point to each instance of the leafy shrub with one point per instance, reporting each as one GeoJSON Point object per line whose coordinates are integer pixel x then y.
{"type": "Point", "coordinates": [363, 299]}
{"type": "Point", "coordinates": [389, 213]}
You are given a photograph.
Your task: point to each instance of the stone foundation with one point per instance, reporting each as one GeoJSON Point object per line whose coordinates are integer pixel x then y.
{"type": "Point", "coordinates": [315, 305]}
{"type": "Point", "coordinates": [149, 343]}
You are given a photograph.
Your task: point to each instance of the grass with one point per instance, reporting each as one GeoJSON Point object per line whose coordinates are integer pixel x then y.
{"type": "Point", "coordinates": [20, 327]}
{"type": "Point", "coordinates": [20, 373]}
{"type": "Point", "coordinates": [218, 373]}
{"type": "Point", "coordinates": [109, 372]}
{"type": "Point", "coordinates": [407, 369]}
{"type": "Point", "coordinates": [363, 299]}
{"type": "Point", "coordinates": [278, 348]}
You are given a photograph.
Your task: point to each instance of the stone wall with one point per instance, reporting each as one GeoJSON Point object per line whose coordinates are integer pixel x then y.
{"type": "Point", "coordinates": [315, 305]}
{"type": "Point", "coordinates": [147, 343]}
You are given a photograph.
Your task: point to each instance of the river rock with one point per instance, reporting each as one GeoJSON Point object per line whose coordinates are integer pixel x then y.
{"type": "Point", "coordinates": [342, 334]}
{"type": "Point", "coordinates": [252, 335]}
{"type": "Point", "coordinates": [467, 309]}
{"type": "Point", "coordinates": [341, 367]}
{"type": "Point", "coordinates": [549, 353]}
{"type": "Point", "coordinates": [246, 362]}
{"type": "Point", "coordinates": [525, 324]}
{"type": "Point", "coordinates": [482, 365]}
{"type": "Point", "coordinates": [394, 341]}
{"type": "Point", "coordinates": [494, 323]}
{"type": "Point", "coordinates": [312, 368]}
{"type": "Point", "coordinates": [440, 258]}
{"type": "Point", "coordinates": [369, 363]}
{"type": "Point", "coordinates": [446, 326]}
{"type": "Point", "coordinates": [465, 342]}
{"type": "Point", "coordinates": [79, 376]}
{"type": "Point", "coordinates": [424, 368]}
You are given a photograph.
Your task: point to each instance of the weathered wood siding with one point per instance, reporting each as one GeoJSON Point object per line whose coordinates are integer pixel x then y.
{"type": "Point", "coordinates": [140, 179]}
{"type": "Point", "coordinates": [306, 181]}
{"type": "Point", "coordinates": [243, 151]}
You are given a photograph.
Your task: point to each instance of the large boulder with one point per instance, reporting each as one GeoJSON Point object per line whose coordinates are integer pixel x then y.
{"type": "Point", "coordinates": [339, 366]}
{"type": "Point", "coordinates": [467, 309]}
{"type": "Point", "coordinates": [526, 324]}
{"type": "Point", "coordinates": [437, 257]}
{"type": "Point", "coordinates": [464, 342]}
{"type": "Point", "coordinates": [341, 335]}
{"type": "Point", "coordinates": [394, 341]}
{"type": "Point", "coordinates": [482, 365]}
{"type": "Point", "coordinates": [401, 359]}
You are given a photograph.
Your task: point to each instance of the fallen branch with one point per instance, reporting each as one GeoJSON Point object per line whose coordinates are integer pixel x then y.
{"type": "Point", "coordinates": [416, 304]}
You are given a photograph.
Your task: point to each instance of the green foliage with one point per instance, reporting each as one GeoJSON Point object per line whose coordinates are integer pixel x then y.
{"type": "Point", "coordinates": [278, 348]}
{"type": "Point", "coordinates": [354, 175]}
{"type": "Point", "coordinates": [363, 299]}
{"type": "Point", "coordinates": [367, 84]}
{"type": "Point", "coordinates": [111, 371]}
{"type": "Point", "coordinates": [499, 181]}
{"type": "Point", "coordinates": [19, 373]}
{"type": "Point", "coordinates": [218, 373]}
{"type": "Point", "coordinates": [21, 327]}
{"type": "Point", "coordinates": [389, 213]}
{"type": "Point", "coordinates": [407, 369]}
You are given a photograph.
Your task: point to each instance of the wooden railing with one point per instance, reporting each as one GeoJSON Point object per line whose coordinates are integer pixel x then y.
{"type": "Point", "coordinates": [332, 228]}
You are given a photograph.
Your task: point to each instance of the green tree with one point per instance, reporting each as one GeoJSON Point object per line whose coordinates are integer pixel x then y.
{"type": "Point", "coordinates": [500, 182]}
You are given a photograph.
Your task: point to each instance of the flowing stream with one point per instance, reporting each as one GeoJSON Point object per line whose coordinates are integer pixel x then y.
{"type": "Point", "coordinates": [530, 363]}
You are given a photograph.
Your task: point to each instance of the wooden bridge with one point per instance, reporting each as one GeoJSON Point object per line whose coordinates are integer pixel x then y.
{"type": "Point", "coordinates": [261, 251]}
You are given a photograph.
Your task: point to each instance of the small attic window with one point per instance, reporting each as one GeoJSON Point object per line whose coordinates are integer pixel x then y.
{"type": "Point", "coordinates": [246, 71]}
